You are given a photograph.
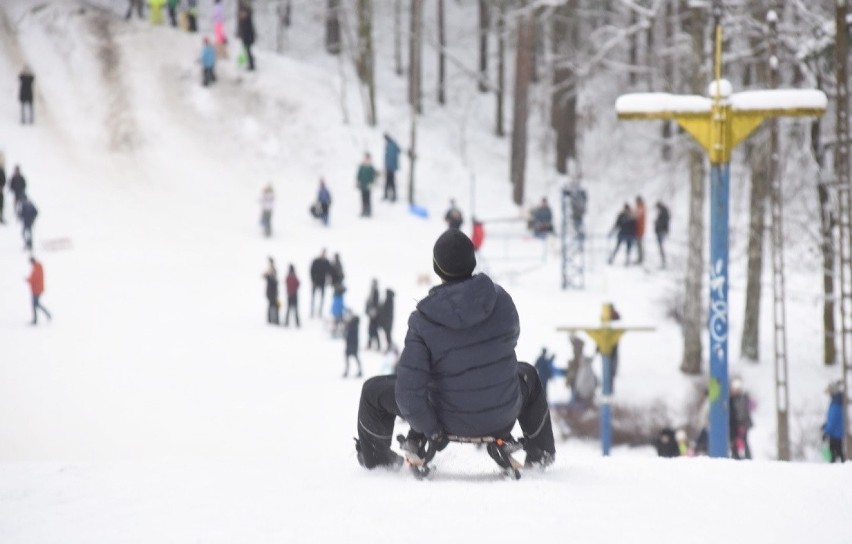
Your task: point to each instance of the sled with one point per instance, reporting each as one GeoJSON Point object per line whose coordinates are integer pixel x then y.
{"type": "Point", "coordinates": [503, 448]}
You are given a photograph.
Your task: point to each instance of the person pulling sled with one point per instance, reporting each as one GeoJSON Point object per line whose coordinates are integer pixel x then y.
{"type": "Point", "coordinates": [461, 336]}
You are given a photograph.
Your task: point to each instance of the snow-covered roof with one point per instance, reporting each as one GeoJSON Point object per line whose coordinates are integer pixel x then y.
{"type": "Point", "coordinates": [661, 103]}
{"type": "Point", "coordinates": [779, 99]}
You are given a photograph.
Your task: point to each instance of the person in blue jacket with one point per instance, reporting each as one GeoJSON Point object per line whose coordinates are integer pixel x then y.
{"type": "Point", "coordinates": [391, 166]}
{"type": "Point", "coordinates": [834, 429]}
{"type": "Point", "coordinates": [458, 373]}
{"type": "Point", "coordinates": [208, 63]}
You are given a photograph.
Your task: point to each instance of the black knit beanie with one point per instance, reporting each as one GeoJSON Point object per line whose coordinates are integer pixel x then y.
{"type": "Point", "coordinates": [453, 256]}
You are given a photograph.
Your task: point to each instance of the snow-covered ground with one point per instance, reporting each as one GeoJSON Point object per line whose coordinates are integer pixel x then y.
{"type": "Point", "coordinates": [158, 406]}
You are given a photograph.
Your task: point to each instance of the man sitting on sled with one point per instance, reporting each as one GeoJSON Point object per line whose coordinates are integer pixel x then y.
{"type": "Point", "coordinates": [458, 377]}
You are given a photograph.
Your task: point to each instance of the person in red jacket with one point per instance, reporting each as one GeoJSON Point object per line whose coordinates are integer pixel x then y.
{"type": "Point", "coordinates": [292, 283]}
{"type": "Point", "coordinates": [478, 235]}
{"type": "Point", "coordinates": [36, 281]}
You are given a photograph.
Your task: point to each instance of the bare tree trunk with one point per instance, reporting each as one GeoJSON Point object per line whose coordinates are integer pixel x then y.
{"type": "Point", "coordinates": [668, 73]}
{"type": "Point", "coordinates": [523, 74]}
{"type": "Point", "coordinates": [633, 47]}
{"type": "Point", "coordinates": [826, 220]}
{"type": "Point", "coordinates": [757, 154]}
{"type": "Point", "coordinates": [442, 43]}
{"type": "Point", "coordinates": [563, 107]}
{"type": "Point", "coordinates": [366, 70]}
{"type": "Point", "coordinates": [415, 51]}
{"type": "Point", "coordinates": [484, 24]}
{"type": "Point", "coordinates": [501, 67]}
{"type": "Point", "coordinates": [651, 53]}
{"type": "Point", "coordinates": [397, 36]}
{"type": "Point", "coordinates": [693, 322]}
{"type": "Point", "coordinates": [332, 27]}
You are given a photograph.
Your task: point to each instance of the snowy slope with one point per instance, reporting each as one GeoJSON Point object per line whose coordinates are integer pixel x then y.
{"type": "Point", "coordinates": [158, 405]}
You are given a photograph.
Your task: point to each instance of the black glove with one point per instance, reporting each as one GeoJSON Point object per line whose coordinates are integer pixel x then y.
{"type": "Point", "coordinates": [414, 443]}
{"type": "Point", "coordinates": [438, 441]}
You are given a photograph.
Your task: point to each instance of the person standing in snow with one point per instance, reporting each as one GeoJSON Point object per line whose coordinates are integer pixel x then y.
{"type": "Point", "coordinates": [171, 6]}
{"type": "Point", "coordinates": [385, 317]}
{"type": "Point", "coordinates": [834, 427]}
{"type": "Point", "coordinates": [292, 284]}
{"type": "Point", "coordinates": [365, 178]}
{"type": "Point", "coordinates": [246, 32]}
{"type": "Point", "coordinates": [580, 378]}
{"type": "Point", "coordinates": [661, 229]}
{"type": "Point", "coordinates": [372, 311]}
{"type": "Point", "coordinates": [337, 275]}
{"type": "Point", "coordinates": [25, 95]}
{"type": "Point", "coordinates": [18, 186]}
{"type": "Point", "coordinates": [740, 407]}
{"type": "Point", "coordinates": [271, 277]}
{"type": "Point", "coordinates": [155, 11]}
{"type": "Point", "coordinates": [461, 336]}
{"type": "Point", "coordinates": [208, 63]}
{"type": "Point", "coordinates": [352, 325]}
{"type": "Point", "coordinates": [640, 229]}
{"type": "Point", "coordinates": [391, 166]}
{"type": "Point", "coordinates": [453, 217]}
{"type": "Point", "coordinates": [267, 203]}
{"type": "Point", "coordinates": [192, 15]}
{"type": "Point", "coordinates": [134, 4]}
{"type": "Point", "coordinates": [323, 202]}
{"type": "Point", "coordinates": [542, 220]}
{"type": "Point", "coordinates": [320, 274]}
{"type": "Point", "coordinates": [28, 217]}
{"type": "Point", "coordinates": [36, 281]}
{"type": "Point", "coordinates": [625, 228]}
{"type": "Point", "coordinates": [478, 233]}
{"type": "Point", "coordinates": [338, 308]}
{"type": "Point", "coordinates": [221, 39]}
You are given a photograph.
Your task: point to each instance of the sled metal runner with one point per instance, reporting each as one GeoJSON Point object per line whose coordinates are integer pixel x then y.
{"type": "Point", "coordinates": [504, 448]}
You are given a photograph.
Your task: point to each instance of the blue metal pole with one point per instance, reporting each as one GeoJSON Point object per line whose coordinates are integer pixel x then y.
{"type": "Point", "coordinates": [606, 405]}
{"type": "Point", "coordinates": [718, 319]}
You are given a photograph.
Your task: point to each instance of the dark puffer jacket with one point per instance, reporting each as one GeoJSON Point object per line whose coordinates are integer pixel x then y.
{"type": "Point", "coordinates": [458, 371]}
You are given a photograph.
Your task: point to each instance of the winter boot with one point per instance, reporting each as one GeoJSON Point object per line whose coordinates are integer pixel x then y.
{"type": "Point", "coordinates": [387, 458]}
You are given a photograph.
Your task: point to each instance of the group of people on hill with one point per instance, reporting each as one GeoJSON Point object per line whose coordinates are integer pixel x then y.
{"type": "Point", "coordinates": [26, 213]}
{"type": "Point", "coordinates": [629, 229]}
{"type": "Point", "coordinates": [367, 175]}
{"type": "Point", "coordinates": [218, 48]}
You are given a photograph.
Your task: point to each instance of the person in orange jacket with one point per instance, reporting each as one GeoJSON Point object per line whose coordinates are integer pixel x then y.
{"type": "Point", "coordinates": [639, 212]}
{"type": "Point", "coordinates": [36, 281]}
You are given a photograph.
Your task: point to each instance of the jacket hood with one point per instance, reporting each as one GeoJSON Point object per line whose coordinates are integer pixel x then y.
{"type": "Point", "coordinates": [460, 304]}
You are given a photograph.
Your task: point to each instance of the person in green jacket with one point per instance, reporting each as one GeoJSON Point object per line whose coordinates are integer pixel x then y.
{"type": "Point", "coordinates": [366, 177]}
{"type": "Point", "coordinates": [172, 6]}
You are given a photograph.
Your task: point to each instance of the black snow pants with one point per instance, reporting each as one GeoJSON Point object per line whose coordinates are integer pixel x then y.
{"type": "Point", "coordinates": [378, 410]}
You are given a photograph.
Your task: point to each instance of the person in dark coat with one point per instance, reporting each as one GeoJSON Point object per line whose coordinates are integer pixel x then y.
{"type": "Point", "coordinates": [2, 188]}
{"type": "Point", "coordinates": [337, 275]}
{"type": "Point", "coordinates": [320, 274]}
{"type": "Point", "coordinates": [666, 444]}
{"type": "Point", "coordinates": [271, 277]}
{"type": "Point", "coordinates": [138, 4]}
{"type": "Point", "coordinates": [246, 32]}
{"type": "Point", "coordinates": [25, 95]}
{"type": "Point", "coordinates": [625, 228]}
{"type": "Point", "coordinates": [661, 229]}
{"type": "Point", "coordinates": [365, 177]}
{"type": "Point", "coordinates": [834, 428]}
{"type": "Point", "coordinates": [372, 311]}
{"type": "Point", "coordinates": [323, 202]}
{"type": "Point", "coordinates": [458, 373]}
{"type": "Point", "coordinates": [385, 317]}
{"type": "Point", "coordinates": [292, 283]}
{"type": "Point", "coordinates": [391, 166]}
{"type": "Point", "coordinates": [739, 406]}
{"type": "Point", "coordinates": [352, 325]}
{"type": "Point", "coordinates": [18, 186]}
{"type": "Point", "coordinates": [542, 220]}
{"type": "Point", "coordinates": [453, 217]}
{"type": "Point", "coordinates": [28, 217]}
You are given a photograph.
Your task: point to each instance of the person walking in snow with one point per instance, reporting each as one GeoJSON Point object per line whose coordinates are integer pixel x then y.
{"type": "Point", "coordinates": [365, 178]}
{"type": "Point", "coordinates": [134, 4]}
{"type": "Point", "coordinates": [640, 229]}
{"type": "Point", "coordinates": [172, 6]}
{"type": "Point", "coordinates": [391, 166]}
{"type": "Point", "coordinates": [372, 312]}
{"type": "Point", "coordinates": [36, 281]}
{"type": "Point", "coordinates": [18, 186]}
{"type": "Point", "coordinates": [245, 28]}
{"type": "Point", "coordinates": [352, 325]}
{"type": "Point", "coordinates": [292, 283]}
{"type": "Point", "coordinates": [25, 95]}
{"type": "Point", "coordinates": [834, 428]}
{"type": "Point", "coordinates": [267, 203]}
{"type": "Point", "coordinates": [320, 275]}
{"type": "Point", "coordinates": [385, 317]}
{"type": "Point", "coordinates": [337, 275]}
{"type": "Point", "coordinates": [271, 277]}
{"type": "Point", "coordinates": [661, 229]}
{"type": "Point", "coordinates": [625, 228]}
{"type": "Point", "coordinates": [338, 308]}
{"type": "Point", "coordinates": [740, 406]}
{"type": "Point", "coordinates": [28, 217]}
{"type": "Point", "coordinates": [453, 218]}
{"type": "Point", "coordinates": [461, 336]}
{"type": "Point", "coordinates": [208, 63]}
